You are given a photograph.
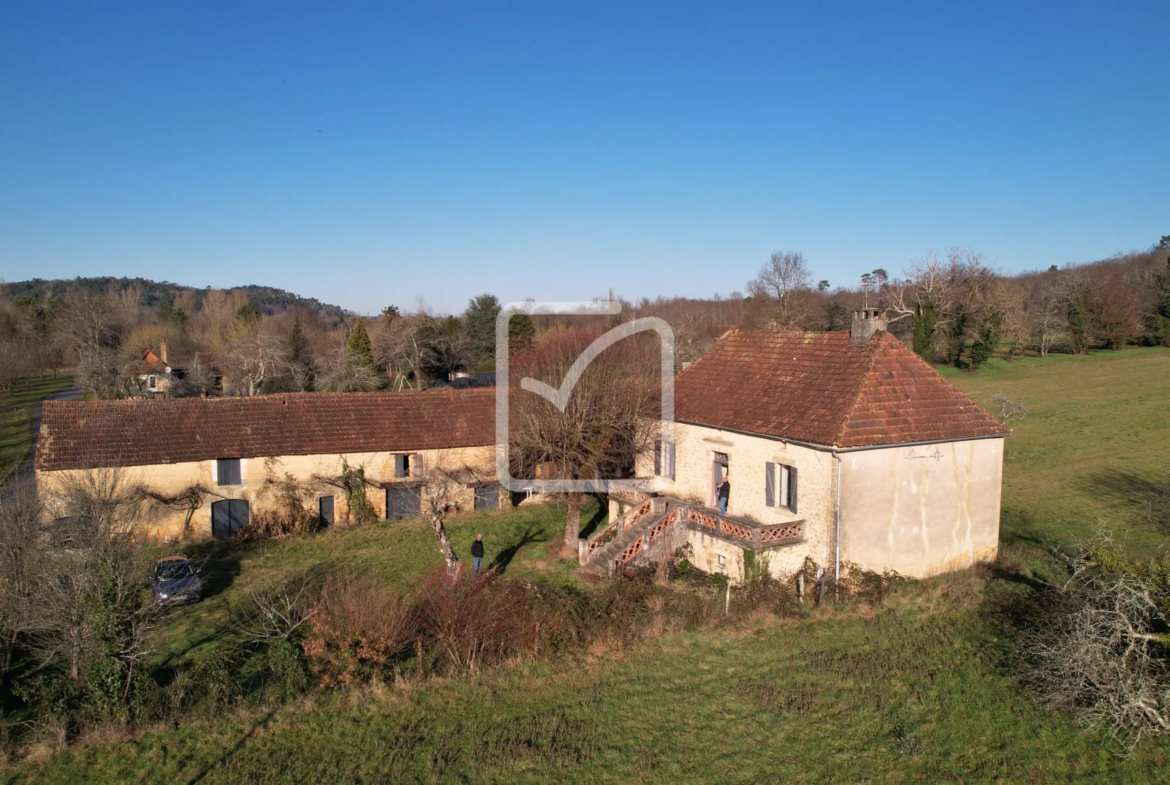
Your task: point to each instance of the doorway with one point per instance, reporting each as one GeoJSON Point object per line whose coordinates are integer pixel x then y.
{"type": "Point", "coordinates": [720, 467]}
{"type": "Point", "coordinates": [325, 511]}
{"type": "Point", "coordinates": [403, 502]}
{"type": "Point", "coordinates": [228, 517]}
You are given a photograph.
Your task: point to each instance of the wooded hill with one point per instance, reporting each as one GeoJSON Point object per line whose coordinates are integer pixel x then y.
{"type": "Point", "coordinates": [163, 294]}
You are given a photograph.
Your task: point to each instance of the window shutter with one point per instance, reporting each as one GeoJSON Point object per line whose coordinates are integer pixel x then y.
{"type": "Point", "coordinates": [770, 484]}
{"type": "Point", "coordinates": [416, 465]}
{"type": "Point", "coordinates": [670, 460]}
{"type": "Point", "coordinates": [658, 458]}
{"type": "Point", "coordinates": [228, 471]}
{"type": "Point", "coordinates": [792, 489]}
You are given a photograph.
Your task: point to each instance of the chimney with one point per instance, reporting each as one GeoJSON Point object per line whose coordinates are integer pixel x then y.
{"type": "Point", "coordinates": [866, 322]}
{"type": "Point", "coordinates": [162, 352]}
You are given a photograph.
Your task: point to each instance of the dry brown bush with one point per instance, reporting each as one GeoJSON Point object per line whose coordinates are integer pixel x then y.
{"type": "Point", "coordinates": [477, 621]}
{"type": "Point", "coordinates": [358, 627]}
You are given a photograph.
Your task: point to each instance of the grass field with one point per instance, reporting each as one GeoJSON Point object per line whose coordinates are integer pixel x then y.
{"type": "Point", "coordinates": [16, 412]}
{"type": "Point", "coordinates": [918, 692]}
{"type": "Point", "coordinates": [396, 552]}
{"type": "Point", "coordinates": [1092, 449]}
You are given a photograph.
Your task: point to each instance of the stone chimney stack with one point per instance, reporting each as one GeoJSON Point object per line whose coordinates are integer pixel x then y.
{"type": "Point", "coordinates": [162, 348]}
{"type": "Point", "coordinates": [866, 322]}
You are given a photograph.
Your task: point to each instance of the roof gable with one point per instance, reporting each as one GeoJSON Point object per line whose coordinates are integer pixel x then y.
{"type": "Point", "coordinates": [820, 389]}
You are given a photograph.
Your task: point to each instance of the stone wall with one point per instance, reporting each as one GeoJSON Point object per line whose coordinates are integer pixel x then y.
{"type": "Point", "coordinates": [695, 448]}
{"type": "Point", "coordinates": [259, 489]}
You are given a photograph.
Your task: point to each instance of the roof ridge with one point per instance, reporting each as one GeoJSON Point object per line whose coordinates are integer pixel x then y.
{"type": "Point", "coordinates": [871, 348]}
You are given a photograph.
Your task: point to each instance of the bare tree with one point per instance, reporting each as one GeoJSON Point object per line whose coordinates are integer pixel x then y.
{"type": "Point", "coordinates": [91, 618]}
{"type": "Point", "coordinates": [249, 360]}
{"type": "Point", "coordinates": [1043, 318]}
{"type": "Point", "coordinates": [343, 371]}
{"type": "Point", "coordinates": [599, 433]}
{"type": "Point", "coordinates": [1099, 649]}
{"type": "Point", "coordinates": [397, 346]}
{"type": "Point", "coordinates": [784, 278]}
{"type": "Point", "coordinates": [22, 563]}
{"type": "Point", "coordinates": [441, 487]}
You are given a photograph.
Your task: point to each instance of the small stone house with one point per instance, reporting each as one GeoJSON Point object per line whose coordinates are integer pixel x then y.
{"type": "Point", "coordinates": [210, 464]}
{"type": "Point", "coordinates": [154, 374]}
{"type": "Point", "coordinates": [837, 446]}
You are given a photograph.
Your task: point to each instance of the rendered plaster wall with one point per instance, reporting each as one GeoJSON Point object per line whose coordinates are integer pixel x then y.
{"type": "Point", "coordinates": [259, 487]}
{"type": "Point", "coordinates": [922, 510]}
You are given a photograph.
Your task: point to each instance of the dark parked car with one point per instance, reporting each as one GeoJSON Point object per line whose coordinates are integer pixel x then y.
{"type": "Point", "coordinates": [176, 581]}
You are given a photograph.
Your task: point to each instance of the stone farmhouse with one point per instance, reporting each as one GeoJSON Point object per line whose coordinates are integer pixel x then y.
{"type": "Point", "coordinates": [838, 447]}
{"type": "Point", "coordinates": [211, 464]}
{"type": "Point", "coordinates": [842, 448]}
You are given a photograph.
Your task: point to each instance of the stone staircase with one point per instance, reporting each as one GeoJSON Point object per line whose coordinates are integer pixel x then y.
{"type": "Point", "coordinates": [628, 537]}
{"type": "Point", "coordinates": [636, 535]}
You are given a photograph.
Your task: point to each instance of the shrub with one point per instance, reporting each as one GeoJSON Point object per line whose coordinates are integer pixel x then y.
{"type": "Point", "coordinates": [1099, 648]}
{"type": "Point", "coordinates": [289, 516]}
{"type": "Point", "coordinates": [356, 628]}
{"type": "Point", "coordinates": [214, 679]}
{"type": "Point", "coordinates": [288, 669]}
{"type": "Point", "coordinates": [477, 621]}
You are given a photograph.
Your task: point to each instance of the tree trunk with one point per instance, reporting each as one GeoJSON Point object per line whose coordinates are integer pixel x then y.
{"type": "Point", "coordinates": [445, 545]}
{"type": "Point", "coordinates": [572, 526]}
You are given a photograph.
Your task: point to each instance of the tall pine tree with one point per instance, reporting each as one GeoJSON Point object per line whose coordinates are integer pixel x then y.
{"type": "Point", "coordinates": [359, 343]}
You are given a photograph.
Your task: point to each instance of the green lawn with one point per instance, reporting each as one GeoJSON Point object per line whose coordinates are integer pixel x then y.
{"type": "Point", "coordinates": [397, 552]}
{"type": "Point", "coordinates": [1093, 448]}
{"type": "Point", "coordinates": [16, 412]}
{"type": "Point", "coordinates": [918, 692]}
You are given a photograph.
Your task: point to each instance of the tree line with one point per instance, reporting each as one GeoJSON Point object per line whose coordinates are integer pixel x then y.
{"type": "Point", "coordinates": [953, 308]}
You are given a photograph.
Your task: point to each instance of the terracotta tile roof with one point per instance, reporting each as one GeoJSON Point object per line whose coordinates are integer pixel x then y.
{"type": "Point", "coordinates": [817, 388]}
{"type": "Point", "coordinates": [90, 434]}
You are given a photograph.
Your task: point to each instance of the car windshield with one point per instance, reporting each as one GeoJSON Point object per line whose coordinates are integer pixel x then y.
{"type": "Point", "coordinates": [172, 570]}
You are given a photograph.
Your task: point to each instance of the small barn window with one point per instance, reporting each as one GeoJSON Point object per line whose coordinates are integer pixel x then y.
{"type": "Point", "coordinates": [780, 486]}
{"type": "Point", "coordinates": [152, 383]}
{"type": "Point", "coordinates": [401, 466]}
{"type": "Point", "coordinates": [227, 472]}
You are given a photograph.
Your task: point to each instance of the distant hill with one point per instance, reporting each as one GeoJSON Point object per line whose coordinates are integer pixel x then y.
{"type": "Point", "coordinates": [162, 293]}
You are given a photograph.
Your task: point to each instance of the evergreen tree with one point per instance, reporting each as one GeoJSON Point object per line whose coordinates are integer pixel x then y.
{"type": "Point", "coordinates": [479, 324]}
{"type": "Point", "coordinates": [300, 357]}
{"type": "Point", "coordinates": [521, 331]}
{"type": "Point", "coordinates": [359, 343]}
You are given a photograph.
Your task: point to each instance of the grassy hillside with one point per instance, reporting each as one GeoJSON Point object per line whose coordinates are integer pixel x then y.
{"type": "Point", "coordinates": [16, 413]}
{"type": "Point", "coordinates": [917, 692]}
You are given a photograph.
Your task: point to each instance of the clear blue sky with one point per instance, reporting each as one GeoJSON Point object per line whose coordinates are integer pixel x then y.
{"type": "Point", "coordinates": [368, 154]}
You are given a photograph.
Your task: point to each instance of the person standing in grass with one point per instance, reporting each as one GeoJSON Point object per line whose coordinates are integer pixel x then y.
{"type": "Point", "coordinates": [477, 553]}
{"type": "Point", "coordinates": [724, 493]}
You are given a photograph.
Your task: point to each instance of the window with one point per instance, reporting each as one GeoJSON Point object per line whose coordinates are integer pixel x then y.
{"type": "Point", "coordinates": [487, 497]}
{"type": "Point", "coordinates": [664, 459]}
{"type": "Point", "coordinates": [325, 511]}
{"type": "Point", "coordinates": [227, 472]}
{"type": "Point", "coordinates": [401, 466]}
{"type": "Point", "coordinates": [780, 485]}
{"type": "Point", "coordinates": [722, 561]}
{"type": "Point", "coordinates": [152, 383]}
